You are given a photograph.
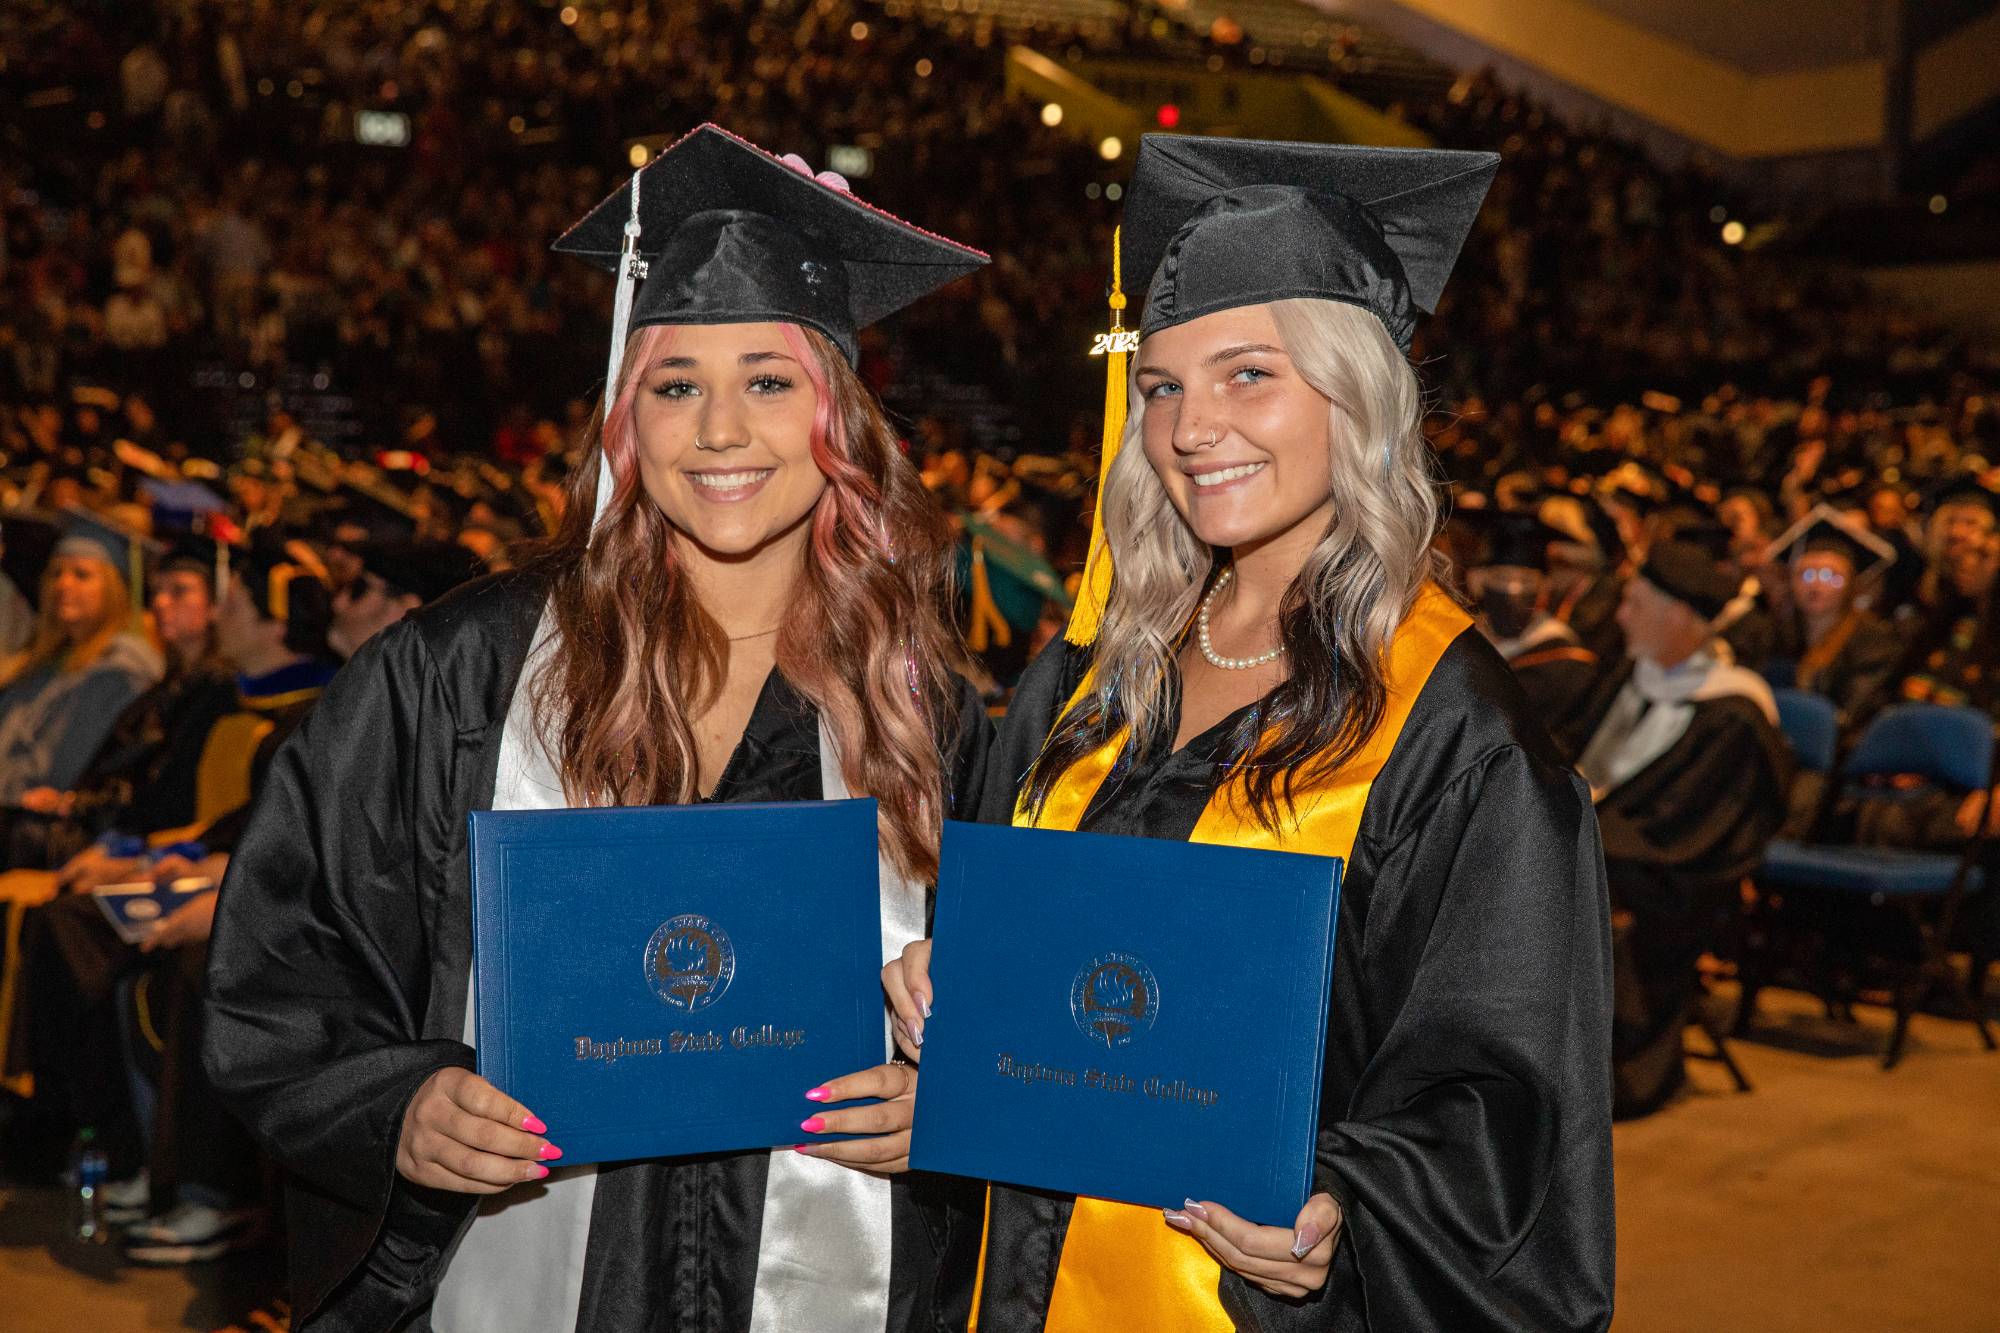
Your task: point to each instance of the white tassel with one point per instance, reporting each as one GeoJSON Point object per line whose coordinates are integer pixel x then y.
{"type": "Point", "coordinates": [631, 269]}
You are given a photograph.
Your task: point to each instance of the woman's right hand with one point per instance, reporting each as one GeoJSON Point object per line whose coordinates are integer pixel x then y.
{"type": "Point", "coordinates": [462, 1133]}
{"type": "Point", "coordinates": [908, 983]}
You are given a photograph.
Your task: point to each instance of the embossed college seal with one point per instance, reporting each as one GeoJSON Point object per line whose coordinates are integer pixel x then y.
{"type": "Point", "coordinates": [1115, 999]}
{"type": "Point", "coordinates": [690, 962]}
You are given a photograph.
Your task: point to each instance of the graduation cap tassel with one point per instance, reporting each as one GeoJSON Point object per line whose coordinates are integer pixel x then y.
{"type": "Point", "coordinates": [135, 573]}
{"type": "Point", "coordinates": [631, 269]}
{"type": "Point", "coordinates": [1094, 591]}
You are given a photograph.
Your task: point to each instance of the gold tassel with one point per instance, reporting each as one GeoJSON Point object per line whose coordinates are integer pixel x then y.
{"type": "Point", "coordinates": [1095, 589]}
{"type": "Point", "coordinates": [135, 574]}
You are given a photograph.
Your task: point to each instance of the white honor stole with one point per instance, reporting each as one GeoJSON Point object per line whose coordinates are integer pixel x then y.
{"type": "Point", "coordinates": [823, 1256]}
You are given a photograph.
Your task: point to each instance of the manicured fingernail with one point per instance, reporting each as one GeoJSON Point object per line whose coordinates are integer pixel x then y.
{"type": "Point", "coordinates": [541, 1173]}
{"type": "Point", "coordinates": [802, 1147]}
{"type": "Point", "coordinates": [813, 1124]}
{"type": "Point", "coordinates": [916, 1034]}
{"type": "Point", "coordinates": [816, 1095]}
{"type": "Point", "coordinates": [1304, 1239]}
{"type": "Point", "coordinates": [533, 1124]}
{"type": "Point", "coordinates": [549, 1152]}
{"type": "Point", "coordinates": [1176, 1219]}
{"type": "Point", "coordinates": [925, 1000]}
{"type": "Point", "coordinates": [1193, 1209]}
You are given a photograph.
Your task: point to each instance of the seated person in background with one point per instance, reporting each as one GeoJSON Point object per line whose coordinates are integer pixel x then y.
{"type": "Point", "coordinates": [143, 779]}
{"type": "Point", "coordinates": [61, 694]}
{"type": "Point", "coordinates": [1510, 590]}
{"type": "Point", "coordinates": [271, 629]}
{"type": "Point", "coordinates": [1688, 771]}
{"type": "Point", "coordinates": [1842, 650]}
{"type": "Point", "coordinates": [395, 578]}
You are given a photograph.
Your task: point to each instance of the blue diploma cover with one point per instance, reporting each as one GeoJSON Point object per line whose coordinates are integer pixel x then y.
{"type": "Point", "coordinates": [1128, 1018]}
{"type": "Point", "coordinates": [660, 981]}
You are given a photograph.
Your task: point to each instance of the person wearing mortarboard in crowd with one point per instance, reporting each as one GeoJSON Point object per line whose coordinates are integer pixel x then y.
{"type": "Point", "coordinates": [1747, 626]}
{"type": "Point", "coordinates": [60, 695]}
{"type": "Point", "coordinates": [191, 1193]}
{"type": "Point", "coordinates": [1952, 639]}
{"type": "Point", "coordinates": [1509, 586]}
{"type": "Point", "coordinates": [142, 780]}
{"type": "Point", "coordinates": [1688, 771]}
{"type": "Point", "coordinates": [746, 497]}
{"type": "Point", "coordinates": [1272, 665]}
{"type": "Point", "coordinates": [395, 579]}
{"type": "Point", "coordinates": [1839, 647]}
{"type": "Point", "coordinates": [1888, 517]}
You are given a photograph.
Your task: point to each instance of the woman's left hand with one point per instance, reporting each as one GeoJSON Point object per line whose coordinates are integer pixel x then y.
{"type": "Point", "coordinates": [888, 1120]}
{"type": "Point", "coordinates": [1285, 1263]}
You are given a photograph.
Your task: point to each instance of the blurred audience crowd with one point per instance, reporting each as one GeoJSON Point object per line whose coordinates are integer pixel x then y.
{"type": "Point", "coordinates": [264, 388]}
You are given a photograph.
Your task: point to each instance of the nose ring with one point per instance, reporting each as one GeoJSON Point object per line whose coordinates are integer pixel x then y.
{"type": "Point", "coordinates": [1211, 438]}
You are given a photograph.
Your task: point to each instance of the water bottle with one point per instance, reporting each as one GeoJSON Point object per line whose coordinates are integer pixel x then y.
{"type": "Point", "coordinates": [88, 1168]}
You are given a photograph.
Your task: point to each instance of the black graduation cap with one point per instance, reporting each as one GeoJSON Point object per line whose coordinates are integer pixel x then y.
{"type": "Point", "coordinates": [1689, 574]}
{"type": "Point", "coordinates": [1967, 491]}
{"type": "Point", "coordinates": [1825, 529]}
{"type": "Point", "coordinates": [1213, 224]}
{"type": "Point", "coordinates": [427, 569]}
{"type": "Point", "coordinates": [730, 234]}
{"type": "Point", "coordinates": [379, 509]}
{"type": "Point", "coordinates": [194, 553]}
{"type": "Point", "coordinates": [1518, 538]}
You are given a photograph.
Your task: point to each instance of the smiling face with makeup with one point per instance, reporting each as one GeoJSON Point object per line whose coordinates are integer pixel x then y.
{"type": "Point", "coordinates": [723, 421]}
{"type": "Point", "coordinates": [1237, 436]}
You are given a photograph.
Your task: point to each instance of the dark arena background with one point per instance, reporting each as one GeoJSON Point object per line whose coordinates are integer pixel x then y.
{"type": "Point", "coordinates": [276, 275]}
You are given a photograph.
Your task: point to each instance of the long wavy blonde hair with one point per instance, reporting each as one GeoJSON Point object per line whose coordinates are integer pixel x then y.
{"type": "Point", "coordinates": [1337, 617]}
{"type": "Point", "coordinates": [71, 649]}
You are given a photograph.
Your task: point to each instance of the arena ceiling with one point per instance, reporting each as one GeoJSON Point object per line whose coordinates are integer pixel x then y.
{"type": "Point", "coordinates": [1761, 36]}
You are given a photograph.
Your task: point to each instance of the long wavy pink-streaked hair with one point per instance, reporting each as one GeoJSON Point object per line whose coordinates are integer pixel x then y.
{"type": "Point", "coordinates": [866, 639]}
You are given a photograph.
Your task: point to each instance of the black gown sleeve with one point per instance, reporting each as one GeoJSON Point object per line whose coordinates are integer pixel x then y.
{"type": "Point", "coordinates": [1473, 1159]}
{"type": "Point", "coordinates": [319, 966]}
{"type": "Point", "coordinates": [1709, 805]}
{"type": "Point", "coordinates": [1044, 689]}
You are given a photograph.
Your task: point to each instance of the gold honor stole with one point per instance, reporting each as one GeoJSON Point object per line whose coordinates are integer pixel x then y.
{"type": "Point", "coordinates": [1121, 1265]}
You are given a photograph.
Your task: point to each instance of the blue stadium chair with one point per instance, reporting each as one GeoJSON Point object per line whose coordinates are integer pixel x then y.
{"type": "Point", "coordinates": [1780, 673]}
{"type": "Point", "coordinates": [1811, 725]}
{"type": "Point", "coordinates": [1948, 747]}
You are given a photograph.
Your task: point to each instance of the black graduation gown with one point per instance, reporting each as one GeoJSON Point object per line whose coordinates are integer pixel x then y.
{"type": "Point", "coordinates": [1465, 1112]}
{"type": "Point", "coordinates": [338, 984]}
{"type": "Point", "coordinates": [1679, 836]}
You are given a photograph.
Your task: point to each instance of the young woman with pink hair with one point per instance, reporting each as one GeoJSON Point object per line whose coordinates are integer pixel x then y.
{"type": "Point", "coordinates": [744, 602]}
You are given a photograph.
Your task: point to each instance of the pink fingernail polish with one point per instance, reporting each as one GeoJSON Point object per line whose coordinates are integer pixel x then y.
{"type": "Point", "coordinates": [1193, 1209]}
{"type": "Point", "coordinates": [925, 1000]}
{"type": "Point", "coordinates": [816, 1095]}
{"type": "Point", "coordinates": [813, 1124]}
{"type": "Point", "coordinates": [533, 1124]}
{"type": "Point", "coordinates": [801, 1148]}
{"type": "Point", "coordinates": [541, 1173]}
{"type": "Point", "coordinates": [549, 1152]}
{"type": "Point", "coordinates": [1176, 1219]}
{"type": "Point", "coordinates": [1304, 1239]}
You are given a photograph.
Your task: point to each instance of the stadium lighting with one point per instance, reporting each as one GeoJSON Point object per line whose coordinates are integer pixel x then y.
{"type": "Point", "coordinates": [1732, 233]}
{"type": "Point", "coordinates": [1939, 203]}
{"type": "Point", "coordinates": [859, 32]}
{"type": "Point", "coordinates": [568, 16]}
{"type": "Point", "coordinates": [1114, 192]}
{"type": "Point", "coordinates": [1052, 114]}
{"type": "Point", "coordinates": [1111, 148]}
{"type": "Point", "coordinates": [638, 156]}
{"type": "Point", "coordinates": [924, 68]}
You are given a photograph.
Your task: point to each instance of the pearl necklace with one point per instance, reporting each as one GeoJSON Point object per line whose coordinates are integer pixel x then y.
{"type": "Point", "coordinates": [1207, 646]}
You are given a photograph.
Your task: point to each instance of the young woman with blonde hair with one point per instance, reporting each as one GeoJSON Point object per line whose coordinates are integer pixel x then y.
{"type": "Point", "coordinates": [1262, 657]}
{"type": "Point", "coordinates": [743, 603]}
{"type": "Point", "coordinates": [60, 695]}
